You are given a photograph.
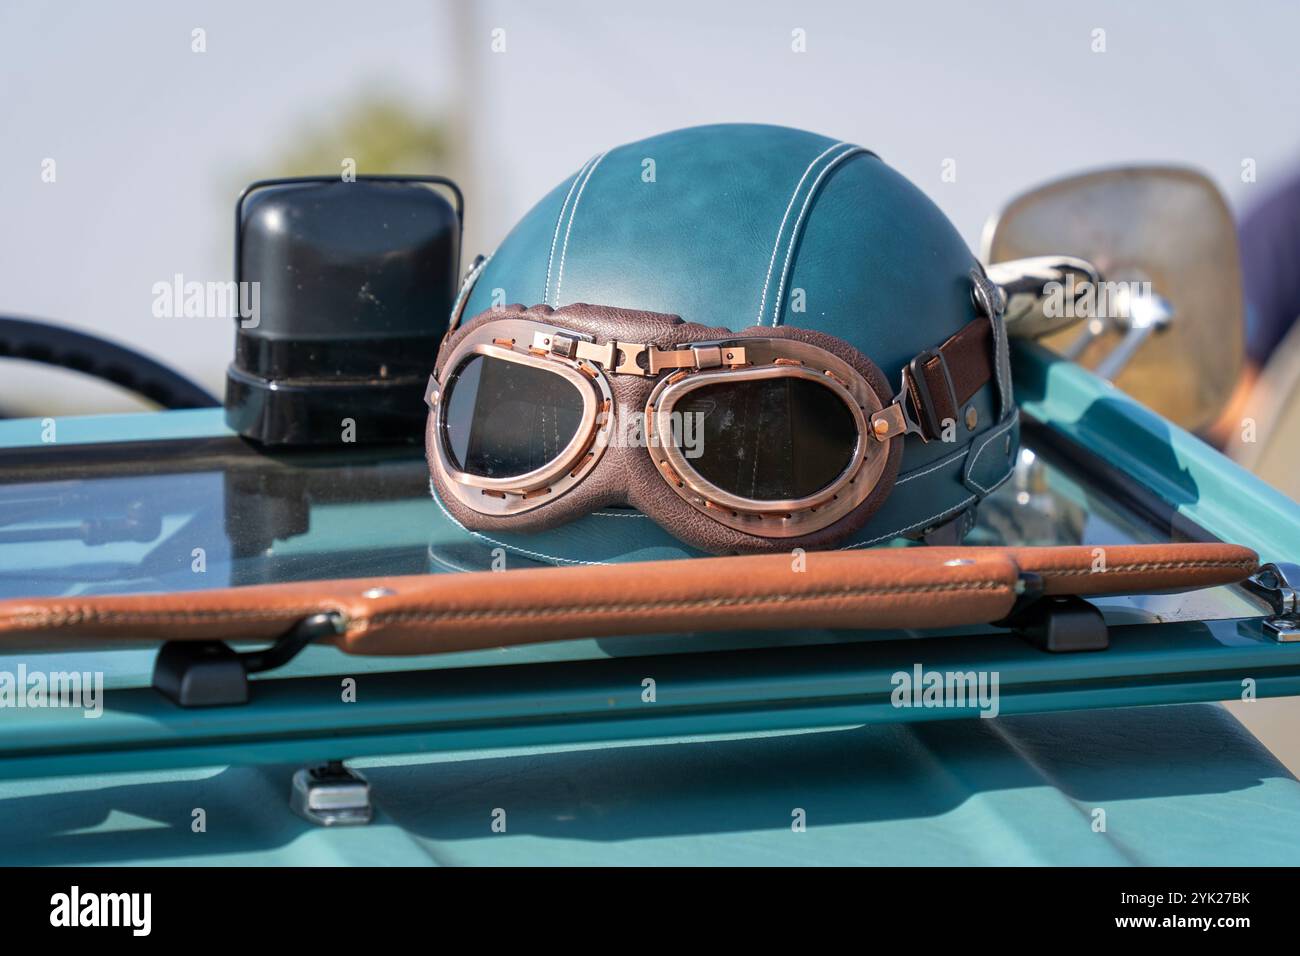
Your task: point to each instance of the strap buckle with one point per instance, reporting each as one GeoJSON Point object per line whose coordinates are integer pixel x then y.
{"type": "Point", "coordinates": [926, 413]}
{"type": "Point", "coordinates": [628, 359]}
{"type": "Point", "coordinates": [625, 358]}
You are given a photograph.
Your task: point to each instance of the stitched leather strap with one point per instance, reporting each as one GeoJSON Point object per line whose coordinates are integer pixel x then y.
{"type": "Point", "coordinates": [919, 587]}
{"type": "Point", "coordinates": [940, 381]}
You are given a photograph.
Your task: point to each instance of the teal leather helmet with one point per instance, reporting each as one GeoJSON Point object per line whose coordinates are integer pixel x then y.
{"type": "Point", "coordinates": [737, 226]}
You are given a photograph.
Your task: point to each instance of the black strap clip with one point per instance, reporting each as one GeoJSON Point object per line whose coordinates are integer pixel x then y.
{"type": "Point", "coordinates": [212, 674]}
{"type": "Point", "coordinates": [1059, 623]}
{"type": "Point", "coordinates": [925, 411]}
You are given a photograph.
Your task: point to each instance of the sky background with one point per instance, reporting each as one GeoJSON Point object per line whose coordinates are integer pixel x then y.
{"type": "Point", "coordinates": [153, 141]}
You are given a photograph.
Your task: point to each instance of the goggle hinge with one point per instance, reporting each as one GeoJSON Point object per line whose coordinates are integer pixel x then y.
{"type": "Point", "coordinates": [707, 356]}
{"type": "Point", "coordinates": [890, 422]}
{"type": "Point", "coordinates": [563, 344]}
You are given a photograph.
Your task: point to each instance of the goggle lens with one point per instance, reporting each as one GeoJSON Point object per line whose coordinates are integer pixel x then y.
{"type": "Point", "coordinates": [504, 419]}
{"type": "Point", "coordinates": [768, 439]}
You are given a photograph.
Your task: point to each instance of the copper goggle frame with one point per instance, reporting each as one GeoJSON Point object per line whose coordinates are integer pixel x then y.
{"type": "Point", "coordinates": [586, 364]}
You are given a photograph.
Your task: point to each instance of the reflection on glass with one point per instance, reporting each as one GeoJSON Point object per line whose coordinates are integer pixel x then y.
{"type": "Point", "coordinates": [162, 518]}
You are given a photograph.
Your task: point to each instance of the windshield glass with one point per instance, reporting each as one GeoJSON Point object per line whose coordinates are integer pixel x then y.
{"type": "Point", "coordinates": [214, 513]}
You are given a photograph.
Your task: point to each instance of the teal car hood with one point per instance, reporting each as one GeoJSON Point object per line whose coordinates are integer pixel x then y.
{"type": "Point", "coordinates": [781, 748]}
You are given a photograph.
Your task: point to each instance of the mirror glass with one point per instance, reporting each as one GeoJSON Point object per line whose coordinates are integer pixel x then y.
{"type": "Point", "coordinates": [1166, 226]}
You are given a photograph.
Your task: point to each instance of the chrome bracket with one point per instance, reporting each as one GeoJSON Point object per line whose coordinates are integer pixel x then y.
{"type": "Point", "coordinates": [331, 795]}
{"type": "Point", "coordinates": [1279, 585]}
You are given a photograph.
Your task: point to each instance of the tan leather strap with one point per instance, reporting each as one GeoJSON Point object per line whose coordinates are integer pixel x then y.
{"type": "Point", "coordinates": [917, 587]}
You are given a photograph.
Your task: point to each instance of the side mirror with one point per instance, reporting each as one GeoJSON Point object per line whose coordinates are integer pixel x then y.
{"type": "Point", "coordinates": [1134, 273]}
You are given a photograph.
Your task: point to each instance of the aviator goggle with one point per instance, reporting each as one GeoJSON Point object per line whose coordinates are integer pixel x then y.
{"type": "Point", "coordinates": [731, 441]}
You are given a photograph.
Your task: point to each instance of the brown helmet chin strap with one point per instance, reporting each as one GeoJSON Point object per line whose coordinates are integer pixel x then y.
{"type": "Point", "coordinates": [937, 383]}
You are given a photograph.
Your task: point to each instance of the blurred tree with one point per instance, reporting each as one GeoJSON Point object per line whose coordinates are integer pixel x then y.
{"type": "Point", "coordinates": [380, 132]}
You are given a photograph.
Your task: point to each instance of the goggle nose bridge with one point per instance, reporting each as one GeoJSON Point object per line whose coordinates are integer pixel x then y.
{"type": "Point", "coordinates": [624, 358]}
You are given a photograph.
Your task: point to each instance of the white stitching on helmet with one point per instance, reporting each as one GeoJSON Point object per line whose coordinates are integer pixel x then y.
{"type": "Point", "coordinates": [564, 251]}
{"type": "Point", "coordinates": [798, 224]}
{"type": "Point", "coordinates": [983, 445]}
{"type": "Point", "coordinates": [776, 246]}
{"type": "Point", "coordinates": [926, 522]}
{"type": "Point", "coordinates": [999, 483]}
{"type": "Point", "coordinates": [947, 513]}
{"type": "Point", "coordinates": [559, 221]}
{"type": "Point", "coordinates": [942, 463]}
{"type": "Point", "coordinates": [955, 457]}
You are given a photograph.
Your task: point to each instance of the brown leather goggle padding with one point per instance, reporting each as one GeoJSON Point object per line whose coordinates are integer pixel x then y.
{"type": "Point", "coordinates": [628, 475]}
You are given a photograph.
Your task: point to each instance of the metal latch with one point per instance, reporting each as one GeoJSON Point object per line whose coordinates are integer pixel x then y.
{"type": "Point", "coordinates": [331, 795]}
{"type": "Point", "coordinates": [1279, 585]}
{"type": "Point", "coordinates": [564, 344]}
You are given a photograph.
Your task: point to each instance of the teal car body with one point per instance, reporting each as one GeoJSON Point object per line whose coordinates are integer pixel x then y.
{"type": "Point", "coordinates": [775, 748]}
